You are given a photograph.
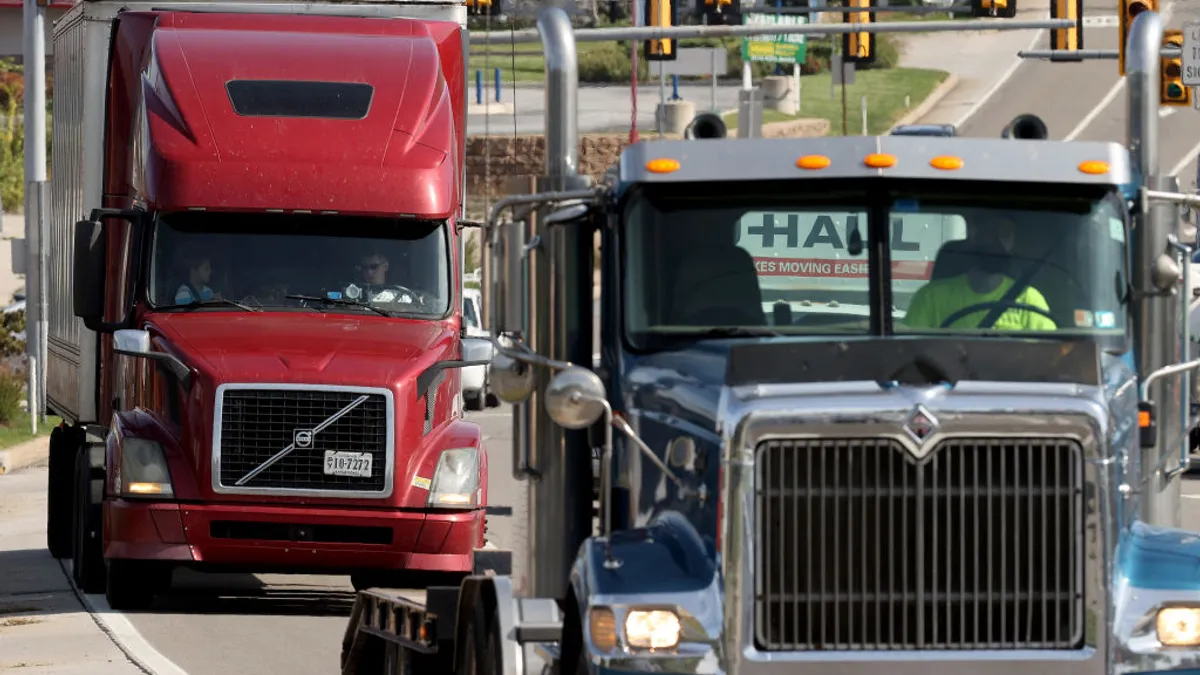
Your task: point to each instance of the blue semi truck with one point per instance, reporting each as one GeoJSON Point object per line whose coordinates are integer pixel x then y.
{"type": "Point", "coordinates": [865, 405]}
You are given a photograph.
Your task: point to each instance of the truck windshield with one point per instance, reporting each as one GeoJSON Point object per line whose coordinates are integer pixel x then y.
{"type": "Point", "coordinates": [758, 262]}
{"type": "Point", "coordinates": [397, 267]}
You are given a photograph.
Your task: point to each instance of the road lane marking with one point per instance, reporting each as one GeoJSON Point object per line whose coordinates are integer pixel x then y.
{"type": "Point", "coordinates": [1188, 158]}
{"type": "Point", "coordinates": [122, 632]}
{"type": "Point", "coordinates": [1166, 112]}
{"type": "Point", "coordinates": [1112, 93]}
{"type": "Point", "coordinates": [1004, 78]}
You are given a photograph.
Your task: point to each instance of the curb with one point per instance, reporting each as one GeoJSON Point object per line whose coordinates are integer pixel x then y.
{"type": "Point", "coordinates": [935, 97]}
{"type": "Point", "coordinates": [26, 454]}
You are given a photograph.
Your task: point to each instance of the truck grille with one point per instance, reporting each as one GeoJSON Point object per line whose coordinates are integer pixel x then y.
{"type": "Point", "coordinates": [860, 546]}
{"type": "Point", "coordinates": [256, 424]}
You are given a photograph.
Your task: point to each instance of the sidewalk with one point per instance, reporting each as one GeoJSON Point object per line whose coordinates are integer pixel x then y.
{"type": "Point", "coordinates": [982, 60]}
{"type": "Point", "coordinates": [43, 628]}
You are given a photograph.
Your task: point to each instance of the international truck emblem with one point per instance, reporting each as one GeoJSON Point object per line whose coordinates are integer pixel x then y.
{"type": "Point", "coordinates": [921, 424]}
{"type": "Point", "coordinates": [302, 438]}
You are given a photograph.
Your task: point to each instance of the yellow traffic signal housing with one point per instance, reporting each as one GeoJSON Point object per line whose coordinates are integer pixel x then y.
{"type": "Point", "coordinates": [859, 47]}
{"type": "Point", "coordinates": [1171, 88]}
{"type": "Point", "coordinates": [1126, 13]}
{"type": "Point", "coordinates": [661, 14]}
{"type": "Point", "coordinates": [1067, 39]}
{"type": "Point", "coordinates": [1004, 9]}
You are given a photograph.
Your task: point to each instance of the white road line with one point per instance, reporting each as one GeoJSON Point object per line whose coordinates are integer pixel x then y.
{"type": "Point", "coordinates": [1112, 93]}
{"type": "Point", "coordinates": [1012, 70]}
{"type": "Point", "coordinates": [1166, 112]}
{"type": "Point", "coordinates": [1190, 496]}
{"type": "Point", "coordinates": [122, 632]}
{"type": "Point", "coordinates": [1188, 157]}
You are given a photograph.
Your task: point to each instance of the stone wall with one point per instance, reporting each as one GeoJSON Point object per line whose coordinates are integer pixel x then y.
{"type": "Point", "coordinates": [508, 157]}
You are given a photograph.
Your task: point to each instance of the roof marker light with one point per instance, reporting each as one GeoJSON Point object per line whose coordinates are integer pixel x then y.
{"type": "Point", "coordinates": [813, 162]}
{"type": "Point", "coordinates": [946, 163]}
{"type": "Point", "coordinates": [662, 165]}
{"type": "Point", "coordinates": [1093, 167]}
{"type": "Point", "coordinates": [879, 160]}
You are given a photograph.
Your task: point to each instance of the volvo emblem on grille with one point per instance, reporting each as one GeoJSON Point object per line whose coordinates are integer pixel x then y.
{"type": "Point", "coordinates": [302, 438]}
{"type": "Point", "coordinates": [920, 425]}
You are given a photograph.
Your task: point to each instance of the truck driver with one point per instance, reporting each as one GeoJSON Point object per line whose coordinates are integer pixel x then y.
{"type": "Point", "coordinates": [987, 252]}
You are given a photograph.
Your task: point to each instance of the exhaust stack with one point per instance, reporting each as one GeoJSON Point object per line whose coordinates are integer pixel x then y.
{"type": "Point", "coordinates": [705, 125]}
{"type": "Point", "coordinates": [1026, 128]}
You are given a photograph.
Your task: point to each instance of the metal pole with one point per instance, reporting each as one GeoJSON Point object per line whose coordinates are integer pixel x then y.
{"type": "Point", "coordinates": [866, 131]}
{"type": "Point", "coordinates": [641, 33]}
{"type": "Point", "coordinates": [34, 56]}
{"type": "Point", "coordinates": [1155, 314]}
{"type": "Point", "coordinates": [845, 124]}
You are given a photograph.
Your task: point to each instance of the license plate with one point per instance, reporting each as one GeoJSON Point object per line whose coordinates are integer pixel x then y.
{"type": "Point", "coordinates": [348, 464]}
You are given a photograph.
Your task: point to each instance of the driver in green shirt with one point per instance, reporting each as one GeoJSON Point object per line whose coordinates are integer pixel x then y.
{"type": "Point", "coordinates": [990, 246]}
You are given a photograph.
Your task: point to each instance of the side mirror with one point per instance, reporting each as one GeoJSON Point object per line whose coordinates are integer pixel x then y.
{"type": "Point", "coordinates": [136, 342]}
{"type": "Point", "coordinates": [477, 349]}
{"type": "Point", "coordinates": [89, 265]}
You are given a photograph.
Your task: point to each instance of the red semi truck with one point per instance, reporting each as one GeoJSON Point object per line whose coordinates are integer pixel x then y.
{"type": "Point", "coordinates": [255, 293]}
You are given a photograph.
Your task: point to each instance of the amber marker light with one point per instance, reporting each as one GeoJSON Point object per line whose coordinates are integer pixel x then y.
{"type": "Point", "coordinates": [879, 160]}
{"type": "Point", "coordinates": [1093, 167]}
{"type": "Point", "coordinates": [946, 163]}
{"type": "Point", "coordinates": [813, 162]}
{"type": "Point", "coordinates": [662, 165]}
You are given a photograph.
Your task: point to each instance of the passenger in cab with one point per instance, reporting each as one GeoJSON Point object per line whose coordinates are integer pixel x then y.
{"type": "Point", "coordinates": [988, 253]}
{"type": "Point", "coordinates": [195, 288]}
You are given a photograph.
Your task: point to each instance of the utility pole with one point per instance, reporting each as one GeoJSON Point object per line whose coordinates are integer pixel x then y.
{"type": "Point", "coordinates": [34, 56]}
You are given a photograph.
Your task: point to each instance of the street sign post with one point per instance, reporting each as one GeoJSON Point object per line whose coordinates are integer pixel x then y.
{"type": "Point", "coordinates": [1191, 54]}
{"type": "Point", "coordinates": [774, 48]}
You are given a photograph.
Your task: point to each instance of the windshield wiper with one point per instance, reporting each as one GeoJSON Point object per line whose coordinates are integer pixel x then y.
{"type": "Point", "coordinates": [730, 331]}
{"type": "Point", "coordinates": [345, 302]}
{"type": "Point", "coordinates": [214, 302]}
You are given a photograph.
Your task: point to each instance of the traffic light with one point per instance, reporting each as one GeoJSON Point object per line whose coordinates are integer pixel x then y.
{"type": "Point", "coordinates": [1003, 9]}
{"type": "Point", "coordinates": [717, 11]}
{"type": "Point", "coordinates": [1127, 11]}
{"type": "Point", "coordinates": [661, 14]}
{"type": "Point", "coordinates": [858, 47]}
{"type": "Point", "coordinates": [1067, 39]}
{"type": "Point", "coordinates": [1171, 88]}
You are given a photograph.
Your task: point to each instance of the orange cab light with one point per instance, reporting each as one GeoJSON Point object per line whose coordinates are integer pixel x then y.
{"type": "Point", "coordinates": [878, 160]}
{"type": "Point", "coordinates": [662, 165]}
{"type": "Point", "coordinates": [1093, 167]}
{"type": "Point", "coordinates": [946, 163]}
{"type": "Point", "coordinates": [812, 162]}
{"type": "Point", "coordinates": [1143, 418]}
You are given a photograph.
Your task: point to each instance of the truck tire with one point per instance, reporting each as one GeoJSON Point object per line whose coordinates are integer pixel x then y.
{"type": "Point", "coordinates": [60, 484]}
{"type": "Point", "coordinates": [473, 402]}
{"type": "Point", "coordinates": [481, 651]}
{"type": "Point", "coordinates": [132, 584]}
{"type": "Point", "coordinates": [88, 554]}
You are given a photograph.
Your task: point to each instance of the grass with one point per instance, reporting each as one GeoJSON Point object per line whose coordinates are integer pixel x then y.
{"type": "Point", "coordinates": [18, 432]}
{"type": "Point", "coordinates": [885, 91]}
{"type": "Point", "coordinates": [528, 67]}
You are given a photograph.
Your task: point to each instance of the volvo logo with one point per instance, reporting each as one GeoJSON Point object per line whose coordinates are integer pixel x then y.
{"type": "Point", "coordinates": [302, 438]}
{"type": "Point", "coordinates": [920, 425]}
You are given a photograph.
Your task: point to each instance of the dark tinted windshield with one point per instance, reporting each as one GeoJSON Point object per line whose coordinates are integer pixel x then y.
{"type": "Point", "coordinates": [770, 262]}
{"type": "Point", "coordinates": [398, 266]}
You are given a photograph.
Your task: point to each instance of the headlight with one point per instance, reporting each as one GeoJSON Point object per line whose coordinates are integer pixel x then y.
{"type": "Point", "coordinates": [653, 629]}
{"type": "Point", "coordinates": [456, 480]}
{"type": "Point", "coordinates": [1179, 626]}
{"type": "Point", "coordinates": [143, 470]}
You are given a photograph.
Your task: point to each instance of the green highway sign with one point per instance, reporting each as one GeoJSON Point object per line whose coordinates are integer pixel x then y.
{"type": "Point", "coordinates": [774, 48]}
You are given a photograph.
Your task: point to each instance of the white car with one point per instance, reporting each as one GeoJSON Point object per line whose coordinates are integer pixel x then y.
{"type": "Point", "coordinates": [474, 378]}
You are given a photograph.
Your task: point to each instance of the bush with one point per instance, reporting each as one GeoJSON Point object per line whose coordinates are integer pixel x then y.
{"type": "Point", "coordinates": [12, 392]}
{"type": "Point", "coordinates": [11, 324]}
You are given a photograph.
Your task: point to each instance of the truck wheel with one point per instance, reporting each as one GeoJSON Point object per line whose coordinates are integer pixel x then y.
{"type": "Point", "coordinates": [472, 402]}
{"type": "Point", "coordinates": [60, 482]}
{"type": "Point", "coordinates": [481, 648]}
{"type": "Point", "coordinates": [88, 557]}
{"type": "Point", "coordinates": [132, 584]}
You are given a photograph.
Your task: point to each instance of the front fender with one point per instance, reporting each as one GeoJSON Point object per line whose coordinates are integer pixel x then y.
{"type": "Point", "coordinates": [662, 565]}
{"type": "Point", "coordinates": [1156, 567]}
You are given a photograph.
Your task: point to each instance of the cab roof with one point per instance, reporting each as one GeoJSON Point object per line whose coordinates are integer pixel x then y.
{"type": "Point", "coordinates": [986, 159]}
{"type": "Point", "coordinates": [302, 112]}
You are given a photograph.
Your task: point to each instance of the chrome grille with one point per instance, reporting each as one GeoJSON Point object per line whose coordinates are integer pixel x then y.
{"type": "Point", "coordinates": [860, 546]}
{"type": "Point", "coordinates": [256, 424]}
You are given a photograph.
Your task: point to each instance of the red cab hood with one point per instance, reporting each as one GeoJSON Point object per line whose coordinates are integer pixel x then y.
{"type": "Point", "coordinates": [309, 348]}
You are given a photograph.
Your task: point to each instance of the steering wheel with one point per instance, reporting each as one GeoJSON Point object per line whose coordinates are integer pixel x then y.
{"type": "Point", "coordinates": [1007, 304]}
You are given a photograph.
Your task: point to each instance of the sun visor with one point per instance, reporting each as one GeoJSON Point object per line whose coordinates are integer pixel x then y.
{"type": "Point", "coordinates": [917, 361]}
